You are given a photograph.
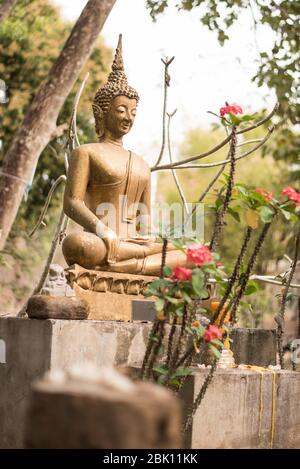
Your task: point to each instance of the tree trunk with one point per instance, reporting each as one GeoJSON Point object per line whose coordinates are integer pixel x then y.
{"type": "Point", "coordinates": [40, 121]}
{"type": "Point", "coordinates": [5, 8]}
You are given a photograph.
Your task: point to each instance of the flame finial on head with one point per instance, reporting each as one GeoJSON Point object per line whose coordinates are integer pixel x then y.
{"type": "Point", "coordinates": [118, 63]}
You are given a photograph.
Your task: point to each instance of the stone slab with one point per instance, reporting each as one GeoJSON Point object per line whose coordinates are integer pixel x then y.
{"type": "Point", "coordinates": [109, 295]}
{"type": "Point", "coordinates": [143, 310]}
{"type": "Point", "coordinates": [254, 346]}
{"type": "Point", "coordinates": [56, 307]}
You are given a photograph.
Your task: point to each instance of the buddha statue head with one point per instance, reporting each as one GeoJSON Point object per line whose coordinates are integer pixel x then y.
{"type": "Point", "coordinates": [115, 103]}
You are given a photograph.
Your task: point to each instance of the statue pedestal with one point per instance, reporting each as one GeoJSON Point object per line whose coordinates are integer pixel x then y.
{"type": "Point", "coordinates": [109, 295]}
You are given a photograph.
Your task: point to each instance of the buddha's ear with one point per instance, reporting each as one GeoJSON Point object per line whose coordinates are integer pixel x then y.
{"type": "Point", "coordinates": [99, 119]}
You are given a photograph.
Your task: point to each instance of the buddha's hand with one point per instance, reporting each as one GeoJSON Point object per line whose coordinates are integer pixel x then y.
{"type": "Point", "coordinates": [112, 244]}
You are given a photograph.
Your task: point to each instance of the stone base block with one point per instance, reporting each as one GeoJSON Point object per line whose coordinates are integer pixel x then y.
{"type": "Point", "coordinates": [109, 295]}
{"type": "Point", "coordinates": [254, 346]}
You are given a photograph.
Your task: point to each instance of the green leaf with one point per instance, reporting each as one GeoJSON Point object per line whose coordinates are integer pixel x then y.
{"type": "Point", "coordinates": [180, 372]}
{"type": "Point", "coordinates": [217, 342]}
{"type": "Point", "coordinates": [234, 214]}
{"type": "Point", "coordinates": [242, 190]}
{"type": "Point", "coordinates": [287, 215]}
{"type": "Point", "coordinates": [174, 301]}
{"type": "Point", "coordinates": [247, 118]}
{"type": "Point", "coordinates": [186, 296]}
{"type": "Point", "coordinates": [159, 304]}
{"type": "Point", "coordinates": [198, 281]}
{"type": "Point", "coordinates": [178, 244]}
{"type": "Point", "coordinates": [252, 287]}
{"type": "Point", "coordinates": [160, 369]}
{"type": "Point", "coordinates": [234, 119]}
{"type": "Point", "coordinates": [167, 271]}
{"type": "Point", "coordinates": [266, 214]}
{"type": "Point", "coordinates": [215, 351]}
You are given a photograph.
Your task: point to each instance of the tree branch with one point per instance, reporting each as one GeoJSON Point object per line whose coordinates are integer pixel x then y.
{"type": "Point", "coordinates": [217, 147]}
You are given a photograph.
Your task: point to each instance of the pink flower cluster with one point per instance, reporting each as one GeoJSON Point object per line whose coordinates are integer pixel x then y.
{"type": "Point", "coordinates": [211, 333]}
{"type": "Point", "coordinates": [234, 109]}
{"type": "Point", "coordinates": [198, 254]}
{"type": "Point", "coordinates": [266, 195]}
{"type": "Point", "coordinates": [181, 274]}
{"type": "Point", "coordinates": [292, 195]}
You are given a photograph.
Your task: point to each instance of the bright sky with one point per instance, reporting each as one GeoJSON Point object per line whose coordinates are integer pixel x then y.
{"type": "Point", "coordinates": [203, 76]}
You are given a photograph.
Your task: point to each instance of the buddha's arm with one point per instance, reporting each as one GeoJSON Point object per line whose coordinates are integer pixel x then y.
{"type": "Point", "coordinates": [74, 206]}
{"type": "Point", "coordinates": [77, 180]}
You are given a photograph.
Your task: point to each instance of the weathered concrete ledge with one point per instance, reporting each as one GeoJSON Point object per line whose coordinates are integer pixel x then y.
{"type": "Point", "coordinates": [229, 415]}
{"type": "Point", "coordinates": [227, 418]}
{"type": "Point", "coordinates": [35, 346]}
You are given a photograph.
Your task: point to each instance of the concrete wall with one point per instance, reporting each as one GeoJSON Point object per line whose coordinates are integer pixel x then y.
{"type": "Point", "coordinates": [227, 418]}
{"type": "Point", "coordinates": [34, 346]}
{"type": "Point", "coordinates": [229, 415]}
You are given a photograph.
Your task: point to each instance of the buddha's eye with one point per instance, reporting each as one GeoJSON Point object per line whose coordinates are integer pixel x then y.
{"type": "Point", "coordinates": [133, 112]}
{"type": "Point", "coordinates": [121, 109]}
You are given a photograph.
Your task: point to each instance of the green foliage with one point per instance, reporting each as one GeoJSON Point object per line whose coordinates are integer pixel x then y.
{"type": "Point", "coordinates": [279, 69]}
{"type": "Point", "coordinates": [30, 41]}
{"type": "Point", "coordinates": [253, 171]}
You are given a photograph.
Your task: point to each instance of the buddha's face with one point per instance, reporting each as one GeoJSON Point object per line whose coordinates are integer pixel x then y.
{"type": "Point", "coordinates": [120, 116]}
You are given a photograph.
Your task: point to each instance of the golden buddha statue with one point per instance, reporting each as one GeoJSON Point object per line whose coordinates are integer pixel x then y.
{"type": "Point", "coordinates": [104, 177]}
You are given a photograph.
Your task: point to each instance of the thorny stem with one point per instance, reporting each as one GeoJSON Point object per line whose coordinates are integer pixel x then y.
{"type": "Point", "coordinates": [200, 396]}
{"type": "Point", "coordinates": [156, 324]}
{"type": "Point", "coordinates": [234, 275]}
{"type": "Point", "coordinates": [149, 348]}
{"type": "Point", "coordinates": [170, 340]}
{"type": "Point", "coordinates": [180, 340]}
{"type": "Point", "coordinates": [163, 257]}
{"type": "Point", "coordinates": [249, 269]}
{"type": "Point", "coordinates": [280, 317]}
{"type": "Point", "coordinates": [155, 350]}
{"type": "Point", "coordinates": [222, 211]}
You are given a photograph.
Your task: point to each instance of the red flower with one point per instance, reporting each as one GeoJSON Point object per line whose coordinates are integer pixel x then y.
{"type": "Point", "coordinates": [212, 333]}
{"type": "Point", "coordinates": [266, 195]}
{"type": "Point", "coordinates": [181, 274]}
{"type": "Point", "coordinates": [292, 195]}
{"type": "Point", "coordinates": [198, 254]}
{"type": "Point", "coordinates": [219, 264]}
{"type": "Point", "coordinates": [234, 109]}
{"type": "Point", "coordinates": [196, 323]}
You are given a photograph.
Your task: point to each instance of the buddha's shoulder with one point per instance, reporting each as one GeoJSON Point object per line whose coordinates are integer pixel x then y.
{"type": "Point", "coordinates": [88, 148]}
{"type": "Point", "coordinates": [142, 163]}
